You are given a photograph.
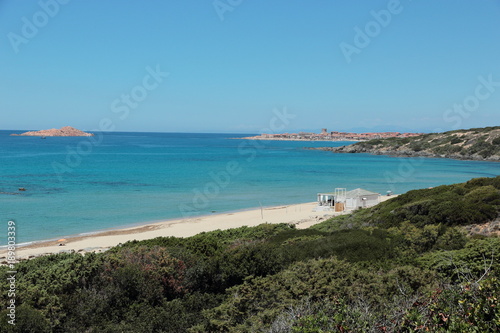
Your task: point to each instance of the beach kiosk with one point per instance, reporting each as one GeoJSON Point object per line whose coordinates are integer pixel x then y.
{"type": "Point", "coordinates": [341, 200]}
{"type": "Point", "coordinates": [332, 200]}
{"type": "Point", "coordinates": [326, 199]}
{"type": "Point", "coordinates": [361, 198]}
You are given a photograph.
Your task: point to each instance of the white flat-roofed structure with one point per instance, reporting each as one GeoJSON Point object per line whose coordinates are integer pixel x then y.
{"type": "Point", "coordinates": [341, 200]}
{"type": "Point", "coordinates": [326, 199]}
{"type": "Point", "coordinates": [332, 200]}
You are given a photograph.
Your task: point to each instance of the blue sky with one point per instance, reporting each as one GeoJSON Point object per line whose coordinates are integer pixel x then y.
{"type": "Point", "coordinates": [420, 67]}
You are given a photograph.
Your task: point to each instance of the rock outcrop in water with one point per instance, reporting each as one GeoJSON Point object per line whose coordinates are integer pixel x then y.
{"type": "Point", "coordinates": [65, 131]}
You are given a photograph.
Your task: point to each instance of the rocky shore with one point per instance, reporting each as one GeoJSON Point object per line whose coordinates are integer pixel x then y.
{"type": "Point", "coordinates": [65, 131]}
{"type": "Point", "coordinates": [330, 136]}
{"type": "Point", "coordinates": [480, 144]}
{"type": "Point", "coordinates": [405, 153]}
{"type": "Point", "coordinates": [259, 137]}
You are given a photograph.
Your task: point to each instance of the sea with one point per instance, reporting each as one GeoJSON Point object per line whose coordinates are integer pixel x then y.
{"type": "Point", "coordinates": [80, 185]}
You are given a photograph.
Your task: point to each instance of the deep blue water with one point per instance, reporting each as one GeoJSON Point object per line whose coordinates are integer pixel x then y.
{"type": "Point", "coordinates": [76, 185]}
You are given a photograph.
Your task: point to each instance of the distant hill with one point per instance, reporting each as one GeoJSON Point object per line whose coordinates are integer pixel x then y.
{"type": "Point", "coordinates": [472, 144]}
{"type": "Point", "coordinates": [476, 202]}
{"type": "Point", "coordinates": [65, 131]}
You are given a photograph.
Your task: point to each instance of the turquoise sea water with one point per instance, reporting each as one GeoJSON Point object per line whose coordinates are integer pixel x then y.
{"type": "Point", "coordinates": [78, 185]}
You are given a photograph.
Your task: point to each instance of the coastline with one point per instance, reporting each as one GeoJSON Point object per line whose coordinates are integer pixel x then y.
{"type": "Point", "coordinates": [99, 241]}
{"type": "Point", "coordinates": [475, 144]}
{"type": "Point", "coordinates": [302, 215]}
{"type": "Point", "coordinates": [289, 139]}
{"type": "Point", "coordinates": [405, 153]}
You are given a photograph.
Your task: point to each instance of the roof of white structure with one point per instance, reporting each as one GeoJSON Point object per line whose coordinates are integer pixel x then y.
{"type": "Point", "coordinates": [359, 192]}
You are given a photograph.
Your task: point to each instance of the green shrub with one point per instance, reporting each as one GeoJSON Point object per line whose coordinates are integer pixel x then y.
{"type": "Point", "coordinates": [258, 302]}
{"type": "Point", "coordinates": [383, 264]}
{"type": "Point", "coordinates": [449, 205]}
{"type": "Point", "coordinates": [27, 319]}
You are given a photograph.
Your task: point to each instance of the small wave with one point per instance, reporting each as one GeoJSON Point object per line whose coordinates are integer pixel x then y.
{"type": "Point", "coordinates": [17, 245]}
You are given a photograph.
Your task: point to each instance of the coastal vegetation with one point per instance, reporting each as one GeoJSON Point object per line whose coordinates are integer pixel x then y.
{"type": "Point", "coordinates": [471, 144]}
{"type": "Point", "coordinates": [410, 264]}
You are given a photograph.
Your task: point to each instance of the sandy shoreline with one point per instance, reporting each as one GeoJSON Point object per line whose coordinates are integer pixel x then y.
{"type": "Point", "coordinates": [302, 215]}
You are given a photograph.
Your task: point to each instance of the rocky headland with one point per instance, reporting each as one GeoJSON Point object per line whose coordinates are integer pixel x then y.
{"type": "Point", "coordinates": [65, 131]}
{"type": "Point", "coordinates": [482, 144]}
{"type": "Point", "coordinates": [330, 136]}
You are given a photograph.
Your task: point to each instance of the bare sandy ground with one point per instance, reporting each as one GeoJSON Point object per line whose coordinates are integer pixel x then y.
{"type": "Point", "coordinates": [302, 215]}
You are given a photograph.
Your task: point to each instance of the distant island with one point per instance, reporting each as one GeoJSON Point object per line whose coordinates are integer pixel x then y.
{"type": "Point", "coordinates": [473, 144]}
{"type": "Point", "coordinates": [331, 136]}
{"type": "Point", "coordinates": [65, 131]}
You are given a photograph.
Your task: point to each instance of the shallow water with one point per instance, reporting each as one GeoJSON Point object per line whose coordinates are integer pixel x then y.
{"type": "Point", "coordinates": [77, 185]}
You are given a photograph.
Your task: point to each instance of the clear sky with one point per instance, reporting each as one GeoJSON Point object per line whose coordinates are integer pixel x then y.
{"type": "Point", "coordinates": [346, 65]}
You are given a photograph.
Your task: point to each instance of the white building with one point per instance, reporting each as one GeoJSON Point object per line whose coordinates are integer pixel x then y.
{"type": "Point", "coordinates": [360, 198]}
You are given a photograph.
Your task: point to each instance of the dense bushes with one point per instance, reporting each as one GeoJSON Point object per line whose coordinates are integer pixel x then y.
{"type": "Point", "coordinates": [404, 265]}
{"type": "Point", "coordinates": [467, 264]}
{"type": "Point", "coordinates": [478, 143]}
{"type": "Point", "coordinates": [476, 201]}
{"type": "Point", "coordinates": [258, 302]}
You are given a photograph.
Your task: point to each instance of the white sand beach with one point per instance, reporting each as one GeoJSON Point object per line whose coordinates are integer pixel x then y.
{"type": "Point", "coordinates": [302, 215]}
